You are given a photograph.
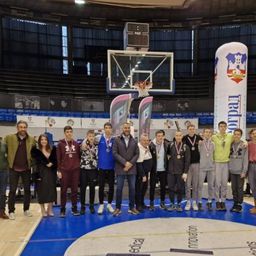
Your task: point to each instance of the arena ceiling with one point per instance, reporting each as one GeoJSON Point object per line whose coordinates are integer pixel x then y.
{"type": "Point", "coordinates": [160, 13]}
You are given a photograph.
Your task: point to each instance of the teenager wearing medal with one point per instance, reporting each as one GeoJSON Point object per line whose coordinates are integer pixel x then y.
{"type": "Point", "coordinates": [144, 167]}
{"type": "Point", "coordinates": [106, 165]}
{"type": "Point", "coordinates": [191, 140]}
{"type": "Point", "coordinates": [68, 158]}
{"type": "Point", "coordinates": [89, 171]}
{"type": "Point", "coordinates": [178, 166]}
{"type": "Point", "coordinates": [207, 168]}
{"type": "Point", "coordinates": [158, 148]}
{"type": "Point", "coordinates": [252, 167]}
{"type": "Point", "coordinates": [238, 166]}
{"type": "Point", "coordinates": [126, 153]}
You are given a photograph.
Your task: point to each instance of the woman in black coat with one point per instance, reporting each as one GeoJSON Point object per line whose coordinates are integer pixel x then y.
{"type": "Point", "coordinates": [45, 174]}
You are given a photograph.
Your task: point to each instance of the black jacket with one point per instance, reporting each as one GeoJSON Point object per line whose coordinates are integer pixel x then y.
{"type": "Point", "coordinates": [153, 151]}
{"type": "Point", "coordinates": [175, 165]}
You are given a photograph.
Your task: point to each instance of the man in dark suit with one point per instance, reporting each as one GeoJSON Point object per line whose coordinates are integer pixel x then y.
{"type": "Point", "coordinates": [126, 153]}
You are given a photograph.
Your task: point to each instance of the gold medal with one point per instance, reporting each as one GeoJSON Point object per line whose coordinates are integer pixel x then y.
{"type": "Point", "coordinates": [70, 155]}
{"type": "Point", "coordinates": [193, 148]}
{"type": "Point", "coordinates": [207, 155]}
{"type": "Point", "coordinates": [178, 156]}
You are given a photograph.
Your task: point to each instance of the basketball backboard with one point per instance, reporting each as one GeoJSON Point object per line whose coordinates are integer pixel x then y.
{"type": "Point", "coordinates": [126, 68]}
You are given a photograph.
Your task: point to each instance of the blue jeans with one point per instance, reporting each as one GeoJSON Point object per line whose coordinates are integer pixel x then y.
{"type": "Point", "coordinates": [3, 184]}
{"type": "Point", "coordinates": [119, 190]}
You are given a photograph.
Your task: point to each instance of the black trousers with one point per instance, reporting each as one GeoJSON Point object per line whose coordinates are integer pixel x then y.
{"type": "Point", "coordinates": [237, 185]}
{"type": "Point", "coordinates": [140, 190]}
{"type": "Point", "coordinates": [106, 176]}
{"type": "Point", "coordinates": [154, 176]}
{"type": "Point", "coordinates": [175, 185]}
{"type": "Point", "coordinates": [88, 178]}
{"type": "Point", "coordinates": [13, 182]}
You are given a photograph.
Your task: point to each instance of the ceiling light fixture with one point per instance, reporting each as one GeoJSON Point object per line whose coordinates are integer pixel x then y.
{"type": "Point", "coordinates": [79, 1]}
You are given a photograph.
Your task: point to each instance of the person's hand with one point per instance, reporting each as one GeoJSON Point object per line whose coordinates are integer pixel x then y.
{"type": "Point", "coordinates": [144, 179]}
{"type": "Point", "coordinates": [245, 144]}
{"type": "Point", "coordinates": [84, 146]}
{"type": "Point", "coordinates": [59, 175]}
{"type": "Point", "coordinates": [184, 177]}
{"type": "Point", "coordinates": [128, 165]}
{"type": "Point", "coordinates": [49, 165]}
{"type": "Point", "coordinates": [242, 175]}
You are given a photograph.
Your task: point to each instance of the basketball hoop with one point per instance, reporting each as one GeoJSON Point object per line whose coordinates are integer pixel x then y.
{"type": "Point", "coordinates": [142, 87]}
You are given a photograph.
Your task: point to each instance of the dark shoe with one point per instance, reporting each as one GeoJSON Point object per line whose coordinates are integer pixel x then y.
{"type": "Point", "coordinates": [75, 211]}
{"type": "Point", "coordinates": [218, 206]}
{"type": "Point", "coordinates": [92, 210]}
{"type": "Point", "coordinates": [140, 209]}
{"type": "Point", "coordinates": [200, 206]}
{"type": "Point", "coordinates": [82, 210]}
{"type": "Point", "coordinates": [163, 206]}
{"type": "Point", "coordinates": [145, 207]}
{"type": "Point", "coordinates": [239, 208]}
{"type": "Point", "coordinates": [116, 212]}
{"type": "Point", "coordinates": [3, 215]}
{"type": "Point", "coordinates": [62, 212]}
{"type": "Point", "coordinates": [133, 211]}
{"type": "Point", "coordinates": [223, 206]}
{"type": "Point", "coordinates": [179, 208]}
{"type": "Point", "coordinates": [209, 206]}
{"type": "Point", "coordinates": [234, 208]}
{"type": "Point", "coordinates": [171, 208]}
{"type": "Point", "coordinates": [151, 206]}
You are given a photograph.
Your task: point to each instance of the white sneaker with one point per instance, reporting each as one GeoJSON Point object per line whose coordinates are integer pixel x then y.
{"type": "Point", "coordinates": [12, 216]}
{"type": "Point", "coordinates": [188, 206]}
{"type": "Point", "coordinates": [110, 208]}
{"type": "Point", "coordinates": [194, 206]}
{"type": "Point", "coordinates": [27, 213]}
{"type": "Point", "coordinates": [101, 209]}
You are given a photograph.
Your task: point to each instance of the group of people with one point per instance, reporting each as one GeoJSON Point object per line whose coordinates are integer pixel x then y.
{"type": "Point", "coordinates": [183, 163]}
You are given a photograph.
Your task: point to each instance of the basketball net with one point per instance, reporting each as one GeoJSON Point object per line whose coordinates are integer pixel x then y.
{"type": "Point", "coordinates": [142, 87]}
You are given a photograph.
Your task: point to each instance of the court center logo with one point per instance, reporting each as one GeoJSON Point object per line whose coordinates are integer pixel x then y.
{"type": "Point", "coordinates": [236, 69]}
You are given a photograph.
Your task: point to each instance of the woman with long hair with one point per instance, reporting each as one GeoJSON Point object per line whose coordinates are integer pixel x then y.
{"type": "Point", "coordinates": [45, 174]}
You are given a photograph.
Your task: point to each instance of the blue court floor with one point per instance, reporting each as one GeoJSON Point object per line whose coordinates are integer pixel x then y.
{"type": "Point", "coordinates": [54, 235]}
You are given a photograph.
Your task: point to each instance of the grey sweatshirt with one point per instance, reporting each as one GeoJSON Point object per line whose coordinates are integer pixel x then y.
{"type": "Point", "coordinates": [206, 162]}
{"type": "Point", "coordinates": [238, 158]}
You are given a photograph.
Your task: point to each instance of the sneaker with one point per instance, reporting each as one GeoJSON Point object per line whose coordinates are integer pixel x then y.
{"type": "Point", "coordinates": [163, 206]}
{"type": "Point", "coordinates": [151, 206]}
{"type": "Point", "coordinates": [101, 209]}
{"type": "Point", "coordinates": [133, 211]}
{"type": "Point", "coordinates": [82, 210]}
{"type": "Point", "coordinates": [116, 212]}
{"type": "Point", "coordinates": [92, 210]}
{"type": "Point", "coordinates": [74, 211]}
{"type": "Point", "coordinates": [145, 207]}
{"type": "Point", "coordinates": [188, 206]}
{"type": "Point", "coordinates": [194, 206]}
{"type": "Point", "coordinates": [239, 208]}
{"type": "Point", "coordinates": [218, 206]}
{"type": "Point", "coordinates": [234, 208]}
{"type": "Point", "coordinates": [12, 216]}
{"type": "Point", "coordinates": [110, 208]}
{"type": "Point", "coordinates": [179, 208]}
{"type": "Point", "coordinates": [140, 209]}
{"type": "Point", "coordinates": [209, 206]}
{"type": "Point", "coordinates": [62, 212]}
{"type": "Point", "coordinates": [27, 213]}
{"type": "Point", "coordinates": [171, 208]}
{"type": "Point", "coordinates": [200, 206]}
{"type": "Point", "coordinates": [223, 206]}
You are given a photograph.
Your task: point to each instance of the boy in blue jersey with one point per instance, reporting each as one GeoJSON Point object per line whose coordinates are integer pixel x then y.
{"type": "Point", "coordinates": [106, 167]}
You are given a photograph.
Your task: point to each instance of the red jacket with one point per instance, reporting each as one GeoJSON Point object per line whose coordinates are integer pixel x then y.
{"type": "Point", "coordinates": [68, 156]}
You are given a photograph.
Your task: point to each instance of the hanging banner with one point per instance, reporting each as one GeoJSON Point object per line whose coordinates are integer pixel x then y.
{"type": "Point", "coordinates": [50, 122]}
{"type": "Point", "coordinates": [119, 110]}
{"type": "Point", "coordinates": [231, 86]}
{"type": "Point", "coordinates": [145, 110]}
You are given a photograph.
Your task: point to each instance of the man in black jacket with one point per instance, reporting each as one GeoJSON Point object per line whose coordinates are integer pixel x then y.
{"type": "Point", "coordinates": [158, 149]}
